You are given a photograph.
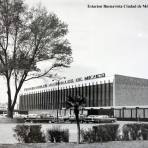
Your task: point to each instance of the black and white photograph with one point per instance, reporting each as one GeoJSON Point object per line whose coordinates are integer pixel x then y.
{"type": "Point", "coordinates": [73, 74]}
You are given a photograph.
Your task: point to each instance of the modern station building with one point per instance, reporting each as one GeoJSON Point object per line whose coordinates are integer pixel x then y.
{"type": "Point", "coordinates": [119, 96]}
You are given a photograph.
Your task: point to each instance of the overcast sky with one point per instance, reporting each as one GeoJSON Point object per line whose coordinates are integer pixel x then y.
{"type": "Point", "coordinates": [110, 40]}
{"type": "Point", "coordinates": [103, 40]}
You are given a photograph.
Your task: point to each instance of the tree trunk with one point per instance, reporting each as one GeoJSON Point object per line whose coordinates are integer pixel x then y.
{"type": "Point", "coordinates": [10, 104]}
{"type": "Point", "coordinates": [78, 128]}
{"type": "Point", "coordinates": [76, 111]}
{"type": "Point", "coordinates": [10, 113]}
{"type": "Point", "coordinates": [10, 109]}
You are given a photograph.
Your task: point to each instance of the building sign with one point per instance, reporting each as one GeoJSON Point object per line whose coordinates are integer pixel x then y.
{"type": "Point", "coordinates": [90, 77]}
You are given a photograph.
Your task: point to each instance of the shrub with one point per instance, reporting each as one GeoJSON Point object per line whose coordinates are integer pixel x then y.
{"type": "Point", "coordinates": [56, 134]}
{"type": "Point", "coordinates": [106, 132]}
{"type": "Point", "coordinates": [100, 133]}
{"type": "Point", "coordinates": [131, 131]}
{"type": "Point", "coordinates": [144, 131]}
{"type": "Point", "coordinates": [88, 135]}
{"type": "Point", "coordinates": [135, 131]}
{"type": "Point", "coordinates": [29, 134]}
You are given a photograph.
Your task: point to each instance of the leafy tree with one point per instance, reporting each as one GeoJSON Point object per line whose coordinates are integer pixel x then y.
{"type": "Point", "coordinates": [28, 36]}
{"type": "Point", "coordinates": [76, 102]}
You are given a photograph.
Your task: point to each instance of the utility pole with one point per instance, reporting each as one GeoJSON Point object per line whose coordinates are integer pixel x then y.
{"type": "Point", "coordinates": [58, 95]}
{"type": "Point", "coordinates": [58, 100]}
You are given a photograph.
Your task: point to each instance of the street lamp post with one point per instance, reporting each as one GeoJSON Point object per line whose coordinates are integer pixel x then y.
{"type": "Point", "coordinates": [58, 93]}
{"type": "Point", "coordinates": [58, 101]}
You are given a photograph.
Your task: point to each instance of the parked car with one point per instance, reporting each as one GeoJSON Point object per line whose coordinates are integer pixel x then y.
{"type": "Point", "coordinates": [81, 118]}
{"type": "Point", "coordinates": [51, 119]}
{"type": "Point", "coordinates": [89, 118]}
{"type": "Point", "coordinates": [33, 116]}
{"type": "Point", "coordinates": [72, 118]}
{"type": "Point", "coordinates": [104, 119]}
{"type": "Point", "coordinates": [3, 115]}
{"type": "Point", "coordinates": [20, 116]}
{"type": "Point", "coordinates": [63, 118]}
{"type": "Point", "coordinates": [100, 119]}
{"type": "Point", "coordinates": [47, 117]}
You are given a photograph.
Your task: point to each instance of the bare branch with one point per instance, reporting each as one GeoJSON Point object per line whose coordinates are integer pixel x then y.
{"type": "Point", "coordinates": [18, 88]}
{"type": "Point", "coordinates": [2, 46]}
{"type": "Point", "coordinates": [15, 80]}
{"type": "Point", "coordinates": [1, 59]}
{"type": "Point", "coordinates": [41, 75]}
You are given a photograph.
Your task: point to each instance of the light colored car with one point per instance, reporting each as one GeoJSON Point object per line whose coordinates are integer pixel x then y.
{"type": "Point", "coordinates": [32, 116]}
{"type": "Point", "coordinates": [21, 116]}
{"type": "Point", "coordinates": [105, 119]}
{"type": "Point", "coordinates": [89, 118]}
{"type": "Point", "coordinates": [3, 116]}
{"type": "Point", "coordinates": [24, 116]}
{"type": "Point", "coordinates": [100, 119]}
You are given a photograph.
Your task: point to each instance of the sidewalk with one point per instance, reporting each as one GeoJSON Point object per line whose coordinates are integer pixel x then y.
{"type": "Point", "coordinates": [114, 144]}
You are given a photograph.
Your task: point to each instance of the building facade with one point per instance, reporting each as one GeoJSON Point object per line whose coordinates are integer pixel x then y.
{"type": "Point", "coordinates": [122, 94]}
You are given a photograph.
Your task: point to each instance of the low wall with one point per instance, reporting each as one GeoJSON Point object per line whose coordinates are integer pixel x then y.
{"type": "Point", "coordinates": [8, 120]}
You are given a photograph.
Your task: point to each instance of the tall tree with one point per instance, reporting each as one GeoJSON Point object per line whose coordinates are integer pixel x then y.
{"type": "Point", "coordinates": [76, 102]}
{"type": "Point", "coordinates": [28, 36]}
